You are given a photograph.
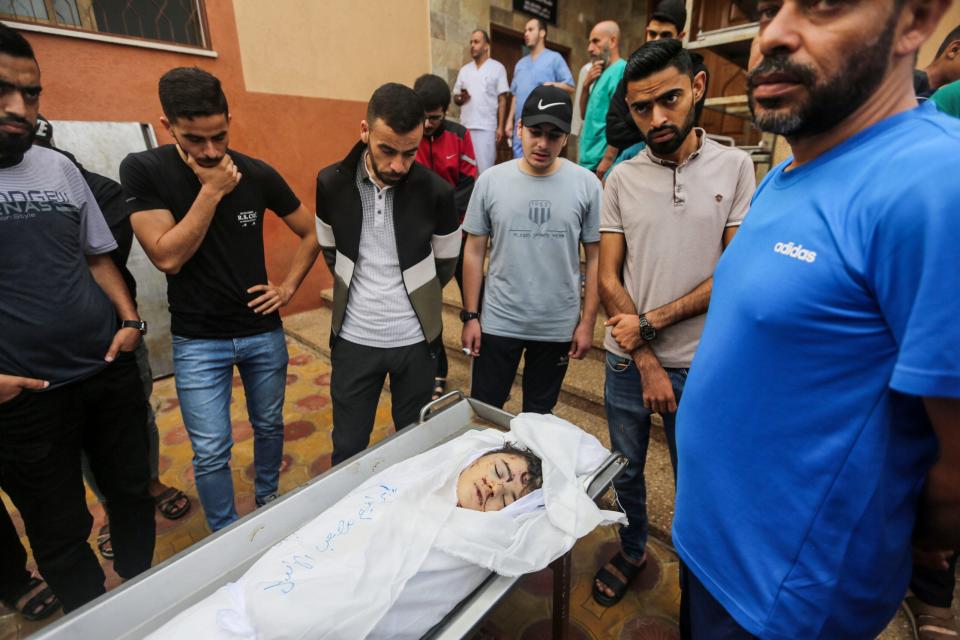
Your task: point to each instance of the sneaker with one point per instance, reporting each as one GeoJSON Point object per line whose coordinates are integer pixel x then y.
{"type": "Point", "coordinates": [929, 622]}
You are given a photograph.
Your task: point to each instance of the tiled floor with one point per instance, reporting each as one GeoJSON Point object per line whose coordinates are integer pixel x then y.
{"type": "Point", "coordinates": [649, 611]}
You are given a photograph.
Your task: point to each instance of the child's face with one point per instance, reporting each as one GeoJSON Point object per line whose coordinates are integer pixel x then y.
{"type": "Point", "coordinates": [492, 482]}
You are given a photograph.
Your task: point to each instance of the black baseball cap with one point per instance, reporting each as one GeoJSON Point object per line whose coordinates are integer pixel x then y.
{"type": "Point", "coordinates": [548, 105]}
{"type": "Point", "coordinates": [672, 11]}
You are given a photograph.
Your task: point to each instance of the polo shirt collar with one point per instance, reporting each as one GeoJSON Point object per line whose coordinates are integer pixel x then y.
{"type": "Point", "coordinates": [364, 173]}
{"type": "Point", "coordinates": [701, 135]}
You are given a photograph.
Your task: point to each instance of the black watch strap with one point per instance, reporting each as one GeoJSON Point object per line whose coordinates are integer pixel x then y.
{"type": "Point", "coordinates": [467, 316]}
{"type": "Point", "coordinates": [647, 332]}
{"type": "Point", "coordinates": [139, 325]}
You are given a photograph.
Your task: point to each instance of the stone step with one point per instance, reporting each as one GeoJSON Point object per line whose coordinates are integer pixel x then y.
{"type": "Point", "coordinates": [582, 386]}
{"type": "Point", "coordinates": [453, 301]}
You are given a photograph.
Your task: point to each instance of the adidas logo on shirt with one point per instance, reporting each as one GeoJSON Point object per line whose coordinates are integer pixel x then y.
{"type": "Point", "coordinates": [795, 251]}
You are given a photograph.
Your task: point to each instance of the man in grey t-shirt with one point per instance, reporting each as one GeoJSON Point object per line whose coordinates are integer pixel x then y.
{"type": "Point", "coordinates": [538, 210]}
{"type": "Point", "coordinates": [68, 377]}
{"type": "Point", "coordinates": [667, 216]}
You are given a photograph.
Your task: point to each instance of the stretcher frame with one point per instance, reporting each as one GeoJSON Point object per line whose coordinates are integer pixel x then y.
{"type": "Point", "coordinates": [144, 604]}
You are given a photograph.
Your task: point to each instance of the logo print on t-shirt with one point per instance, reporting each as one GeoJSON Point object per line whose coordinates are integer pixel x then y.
{"type": "Point", "coordinates": [247, 218]}
{"type": "Point", "coordinates": [539, 212]}
{"type": "Point", "coordinates": [795, 251]}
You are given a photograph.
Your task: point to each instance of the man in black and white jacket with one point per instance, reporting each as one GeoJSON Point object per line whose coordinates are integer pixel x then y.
{"type": "Point", "coordinates": [389, 232]}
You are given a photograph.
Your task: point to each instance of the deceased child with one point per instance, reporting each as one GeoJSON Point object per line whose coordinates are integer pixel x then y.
{"type": "Point", "coordinates": [396, 554]}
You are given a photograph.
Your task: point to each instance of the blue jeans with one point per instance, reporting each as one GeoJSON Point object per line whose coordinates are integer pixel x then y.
{"type": "Point", "coordinates": [629, 424]}
{"type": "Point", "coordinates": [204, 375]}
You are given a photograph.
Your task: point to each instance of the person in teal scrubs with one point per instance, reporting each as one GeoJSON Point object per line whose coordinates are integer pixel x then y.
{"type": "Point", "coordinates": [599, 86]}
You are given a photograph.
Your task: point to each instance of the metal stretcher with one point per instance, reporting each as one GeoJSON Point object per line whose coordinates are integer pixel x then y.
{"type": "Point", "coordinates": [149, 601]}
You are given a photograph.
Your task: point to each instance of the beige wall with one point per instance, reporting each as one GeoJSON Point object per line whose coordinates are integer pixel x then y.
{"type": "Point", "coordinates": [341, 49]}
{"type": "Point", "coordinates": [950, 20]}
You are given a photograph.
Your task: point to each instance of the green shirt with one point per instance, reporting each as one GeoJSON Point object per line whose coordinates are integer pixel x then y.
{"type": "Point", "coordinates": [947, 98]}
{"type": "Point", "coordinates": [593, 136]}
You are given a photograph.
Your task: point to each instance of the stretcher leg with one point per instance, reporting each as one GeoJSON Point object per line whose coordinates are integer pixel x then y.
{"type": "Point", "coordinates": [561, 596]}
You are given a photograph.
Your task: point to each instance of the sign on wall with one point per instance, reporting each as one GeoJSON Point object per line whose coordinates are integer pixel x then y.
{"type": "Point", "coordinates": [546, 9]}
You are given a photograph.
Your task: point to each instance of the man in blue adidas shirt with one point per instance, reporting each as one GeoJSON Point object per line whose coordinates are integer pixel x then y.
{"type": "Point", "coordinates": [819, 435]}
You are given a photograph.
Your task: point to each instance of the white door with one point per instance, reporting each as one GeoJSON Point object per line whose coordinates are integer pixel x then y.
{"type": "Point", "coordinates": [101, 147]}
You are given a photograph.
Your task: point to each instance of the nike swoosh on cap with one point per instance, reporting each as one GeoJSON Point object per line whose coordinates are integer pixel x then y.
{"type": "Point", "coordinates": [542, 106]}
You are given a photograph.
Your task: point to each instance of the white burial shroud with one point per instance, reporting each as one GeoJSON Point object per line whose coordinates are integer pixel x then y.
{"type": "Point", "coordinates": [339, 575]}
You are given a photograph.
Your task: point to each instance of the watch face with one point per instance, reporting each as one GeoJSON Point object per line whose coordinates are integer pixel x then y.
{"type": "Point", "coordinates": [648, 333]}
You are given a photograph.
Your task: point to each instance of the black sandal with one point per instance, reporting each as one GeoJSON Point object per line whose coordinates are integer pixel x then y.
{"type": "Point", "coordinates": [42, 605]}
{"type": "Point", "coordinates": [439, 387]}
{"type": "Point", "coordinates": [629, 570]}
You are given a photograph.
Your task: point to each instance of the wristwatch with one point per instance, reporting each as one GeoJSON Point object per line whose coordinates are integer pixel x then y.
{"type": "Point", "coordinates": [647, 332]}
{"type": "Point", "coordinates": [467, 316]}
{"type": "Point", "coordinates": [139, 325]}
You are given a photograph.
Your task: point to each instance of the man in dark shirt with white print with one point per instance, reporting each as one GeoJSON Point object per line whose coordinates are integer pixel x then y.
{"type": "Point", "coordinates": [198, 209]}
{"type": "Point", "coordinates": [68, 328]}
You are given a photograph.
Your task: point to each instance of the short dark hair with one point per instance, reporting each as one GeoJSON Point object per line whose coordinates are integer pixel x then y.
{"type": "Point", "coordinates": [434, 92]}
{"type": "Point", "coordinates": [13, 44]}
{"type": "Point", "coordinates": [951, 37]}
{"type": "Point", "coordinates": [534, 478]}
{"type": "Point", "coordinates": [486, 36]}
{"type": "Point", "coordinates": [397, 105]}
{"type": "Point", "coordinates": [655, 56]}
{"type": "Point", "coordinates": [541, 23]}
{"type": "Point", "coordinates": [673, 12]}
{"type": "Point", "coordinates": [189, 92]}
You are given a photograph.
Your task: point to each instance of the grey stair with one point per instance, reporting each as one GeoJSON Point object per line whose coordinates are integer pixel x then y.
{"type": "Point", "coordinates": [451, 300]}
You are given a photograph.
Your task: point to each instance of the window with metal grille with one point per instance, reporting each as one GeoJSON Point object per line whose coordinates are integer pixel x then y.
{"type": "Point", "coordinates": [177, 21]}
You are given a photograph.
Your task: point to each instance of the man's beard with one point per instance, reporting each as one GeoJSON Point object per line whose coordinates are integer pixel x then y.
{"type": "Point", "coordinates": [603, 55]}
{"type": "Point", "coordinates": [15, 145]}
{"type": "Point", "coordinates": [680, 135]}
{"type": "Point", "coordinates": [390, 181]}
{"type": "Point", "coordinates": [828, 102]}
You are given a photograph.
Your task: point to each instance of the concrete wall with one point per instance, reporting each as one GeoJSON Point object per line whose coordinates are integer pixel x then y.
{"type": "Point", "coordinates": [950, 20]}
{"type": "Point", "coordinates": [340, 49]}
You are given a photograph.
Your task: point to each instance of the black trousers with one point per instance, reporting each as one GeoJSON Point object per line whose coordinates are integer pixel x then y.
{"type": "Point", "coordinates": [355, 384]}
{"type": "Point", "coordinates": [934, 587]}
{"type": "Point", "coordinates": [13, 559]}
{"type": "Point", "coordinates": [701, 616]}
{"type": "Point", "coordinates": [544, 367]}
{"type": "Point", "coordinates": [41, 435]}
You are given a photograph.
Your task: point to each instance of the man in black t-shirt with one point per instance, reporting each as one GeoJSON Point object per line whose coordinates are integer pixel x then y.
{"type": "Point", "coordinates": [171, 503]}
{"type": "Point", "coordinates": [198, 211]}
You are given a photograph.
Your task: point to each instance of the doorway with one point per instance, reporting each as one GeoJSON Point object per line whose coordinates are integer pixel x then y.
{"type": "Point", "coordinates": [506, 47]}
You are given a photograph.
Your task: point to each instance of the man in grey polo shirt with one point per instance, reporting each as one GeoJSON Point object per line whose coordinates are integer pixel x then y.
{"type": "Point", "coordinates": [667, 216]}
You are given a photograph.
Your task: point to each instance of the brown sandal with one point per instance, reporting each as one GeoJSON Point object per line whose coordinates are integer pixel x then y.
{"type": "Point", "coordinates": [103, 542]}
{"type": "Point", "coordinates": [169, 503]}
